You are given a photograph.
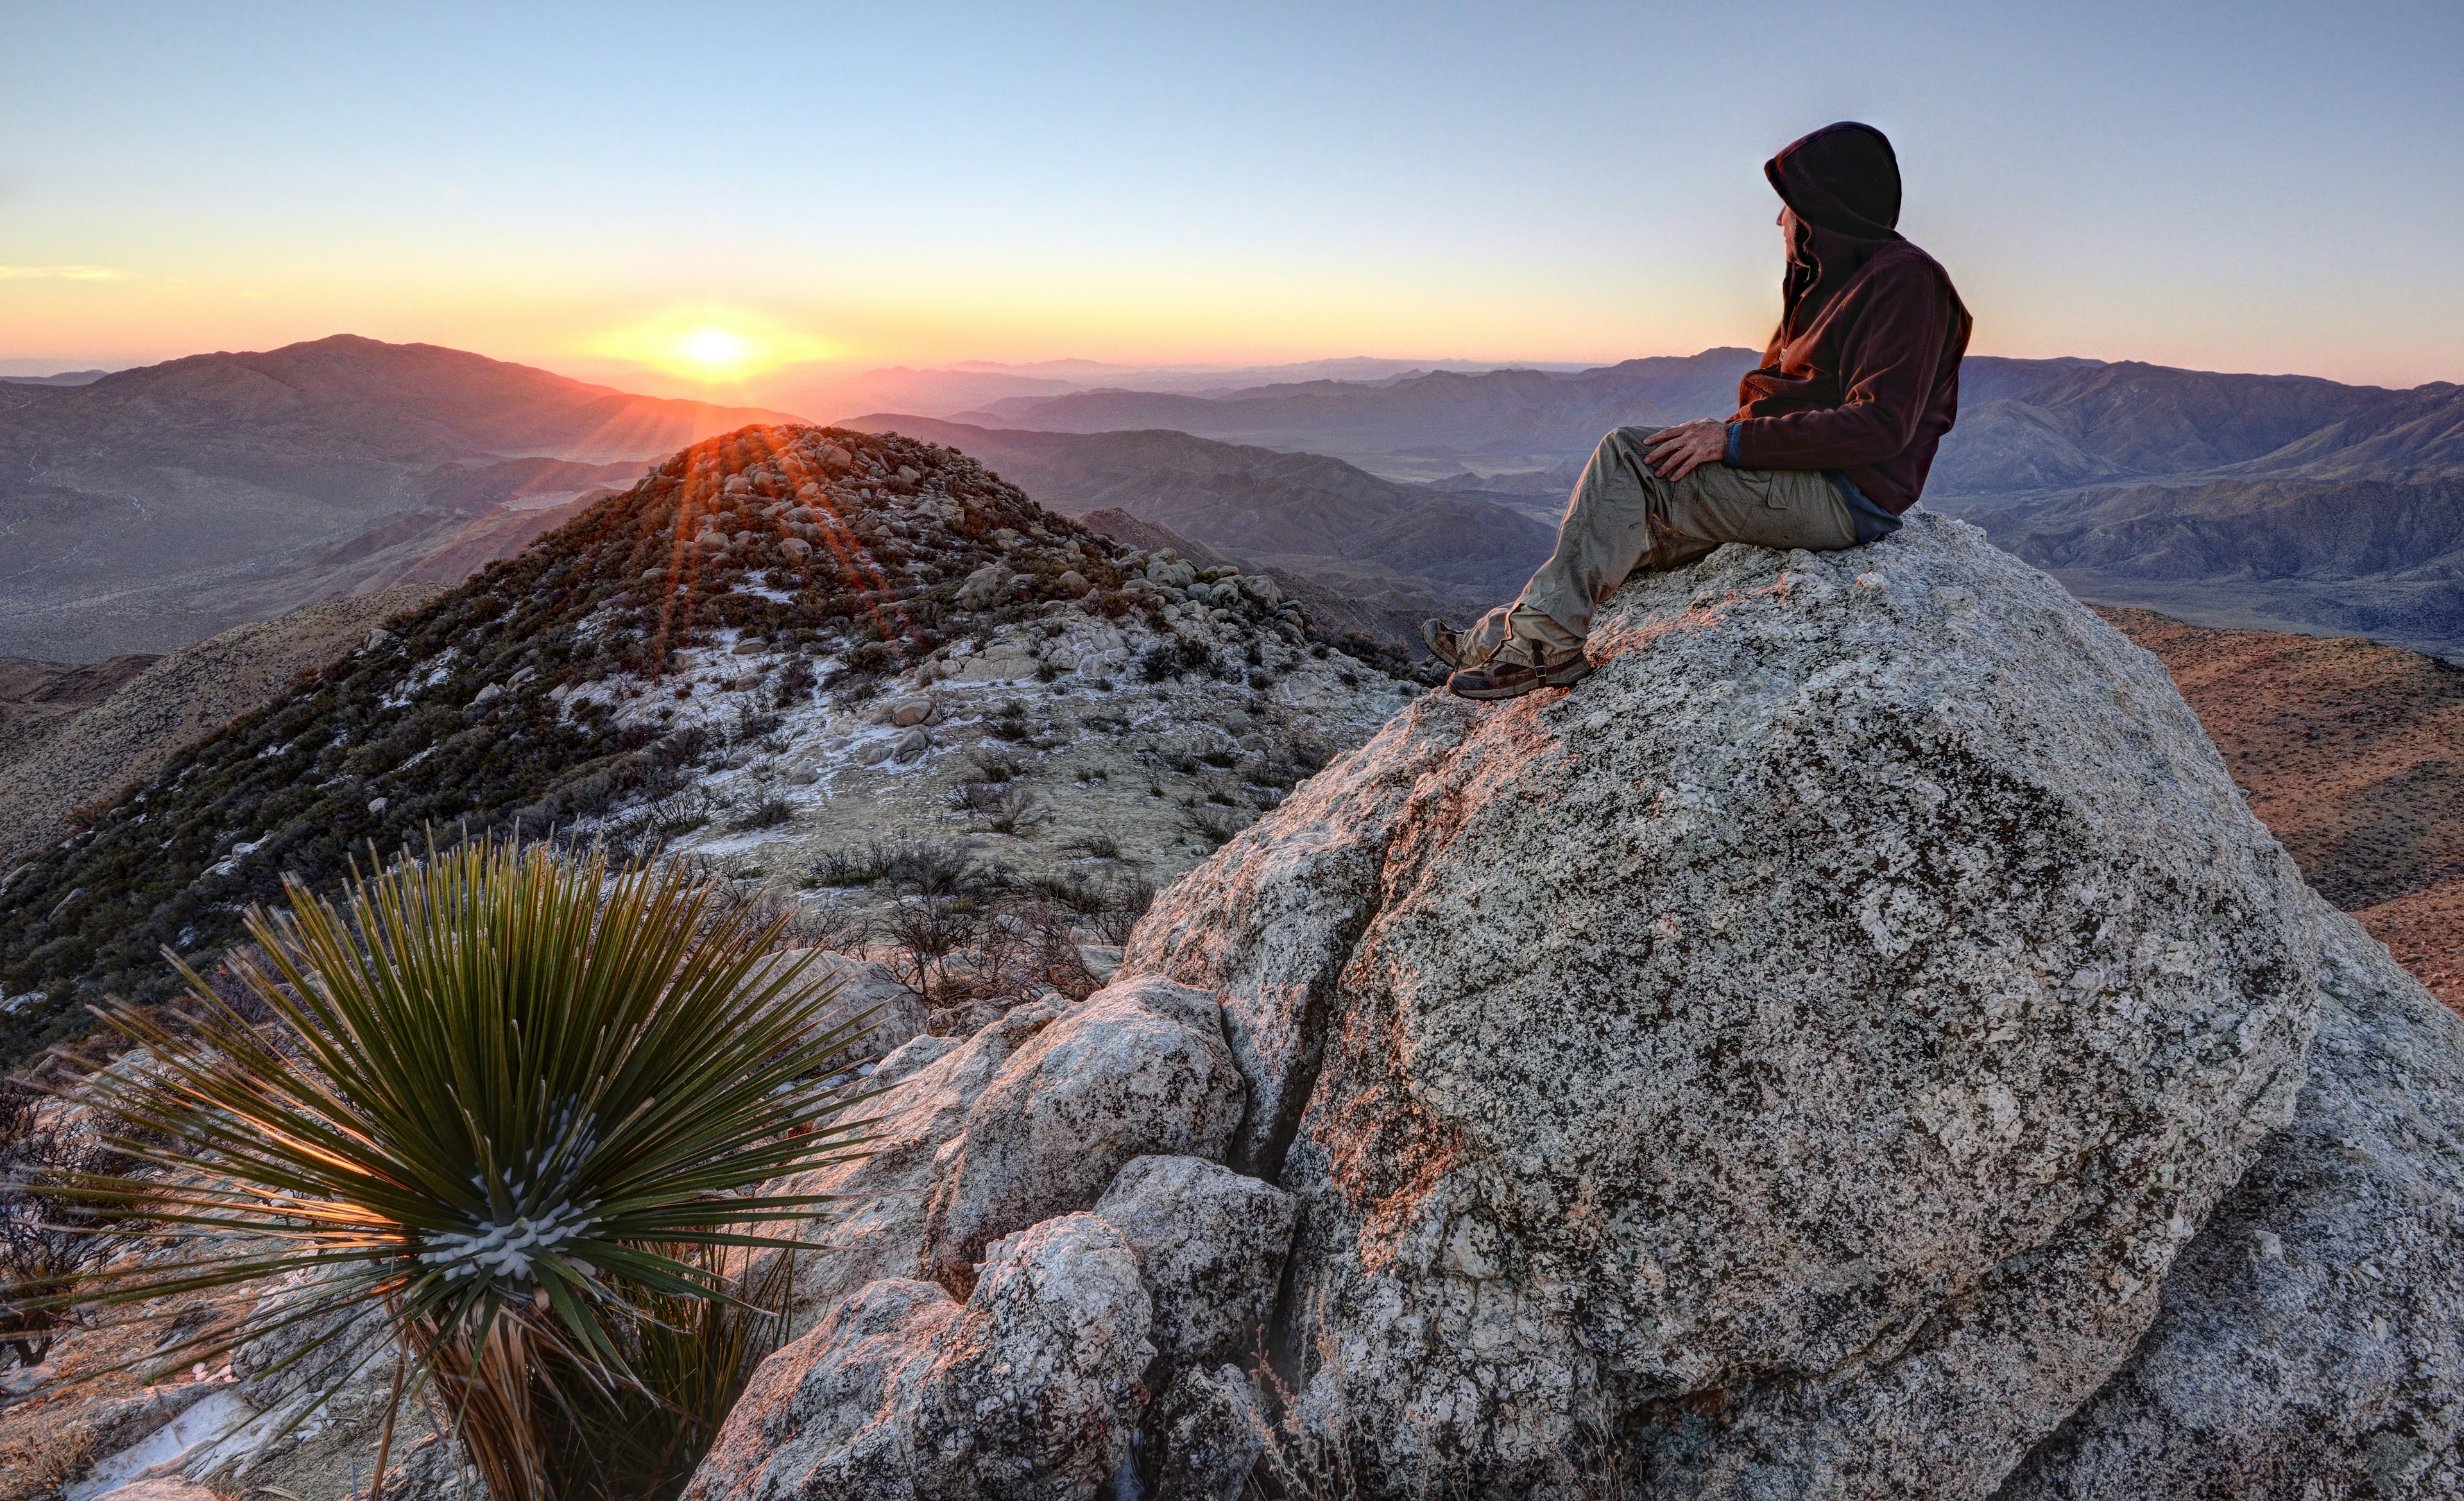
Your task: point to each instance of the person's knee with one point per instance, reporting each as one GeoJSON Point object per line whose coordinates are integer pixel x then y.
{"type": "Point", "coordinates": [1628, 440]}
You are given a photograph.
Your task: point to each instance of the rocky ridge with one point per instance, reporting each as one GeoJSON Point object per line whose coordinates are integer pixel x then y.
{"type": "Point", "coordinates": [782, 648]}
{"type": "Point", "coordinates": [1879, 1088]}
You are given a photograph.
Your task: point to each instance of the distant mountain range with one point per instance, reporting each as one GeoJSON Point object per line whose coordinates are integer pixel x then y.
{"type": "Point", "coordinates": [62, 378]}
{"type": "Point", "coordinates": [2286, 501]}
{"type": "Point", "coordinates": [2025, 424]}
{"type": "Point", "coordinates": [154, 507]}
{"type": "Point", "coordinates": [942, 391]}
{"type": "Point", "coordinates": [1423, 426]}
{"type": "Point", "coordinates": [157, 506]}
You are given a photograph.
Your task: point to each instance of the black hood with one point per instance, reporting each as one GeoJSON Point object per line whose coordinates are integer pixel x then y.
{"type": "Point", "coordinates": [1843, 178]}
{"type": "Point", "coordinates": [1843, 182]}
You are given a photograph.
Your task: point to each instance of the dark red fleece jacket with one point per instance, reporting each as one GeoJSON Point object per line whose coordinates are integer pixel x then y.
{"type": "Point", "coordinates": [1862, 375]}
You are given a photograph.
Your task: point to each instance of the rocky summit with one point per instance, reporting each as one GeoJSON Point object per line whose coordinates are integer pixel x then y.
{"type": "Point", "coordinates": [1857, 1044]}
{"type": "Point", "coordinates": [792, 652]}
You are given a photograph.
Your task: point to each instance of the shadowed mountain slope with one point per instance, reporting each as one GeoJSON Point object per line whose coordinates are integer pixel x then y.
{"type": "Point", "coordinates": [159, 505]}
{"type": "Point", "coordinates": [113, 740]}
{"type": "Point", "coordinates": [2368, 557]}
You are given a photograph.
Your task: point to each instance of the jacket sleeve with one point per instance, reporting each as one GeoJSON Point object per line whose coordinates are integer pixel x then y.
{"type": "Point", "coordinates": [1888, 365]}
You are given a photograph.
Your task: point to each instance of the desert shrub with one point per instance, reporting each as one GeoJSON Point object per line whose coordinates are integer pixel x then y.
{"type": "Point", "coordinates": [768, 811]}
{"type": "Point", "coordinates": [1009, 723]}
{"type": "Point", "coordinates": [927, 931]}
{"type": "Point", "coordinates": [996, 765]}
{"type": "Point", "coordinates": [1208, 825]}
{"type": "Point", "coordinates": [1003, 807]}
{"type": "Point", "coordinates": [1126, 899]}
{"type": "Point", "coordinates": [1099, 846]}
{"type": "Point", "coordinates": [47, 1245]}
{"type": "Point", "coordinates": [876, 657]}
{"type": "Point", "coordinates": [860, 865]}
{"type": "Point", "coordinates": [1069, 892]}
{"type": "Point", "coordinates": [516, 1101]}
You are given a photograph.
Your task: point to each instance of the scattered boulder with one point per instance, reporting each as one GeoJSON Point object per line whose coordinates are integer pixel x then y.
{"type": "Point", "coordinates": [1802, 1048]}
{"type": "Point", "coordinates": [910, 1058]}
{"type": "Point", "coordinates": [1028, 1392]}
{"type": "Point", "coordinates": [1210, 1246]}
{"type": "Point", "coordinates": [2311, 1338]}
{"type": "Point", "coordinates": [1073, 584]}
{"type": "Point", "coordinates": [1100, 959]}
{"type": "Point", "coordinates": [905, 711]}
{"type": "Point", "coordinates": [897, 1014]}
{"type": "Point", "coordinates": [1140, 1067]}
{"type": "Point", "coordinates": [877, 1228]}
{"type": "Point", "coordinates": [985, 586]}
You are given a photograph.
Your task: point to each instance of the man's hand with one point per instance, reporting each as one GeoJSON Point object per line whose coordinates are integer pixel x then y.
{"type": "Point", "coordinates": [1678, 452]}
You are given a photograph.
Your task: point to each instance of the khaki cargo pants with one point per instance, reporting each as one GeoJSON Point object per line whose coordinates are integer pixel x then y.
{"type": "Point", "coordinates": [1623, 517]}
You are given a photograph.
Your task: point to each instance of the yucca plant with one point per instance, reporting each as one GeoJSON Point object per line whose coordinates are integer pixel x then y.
{"type": "Point", "coordinates": [522, 1104]}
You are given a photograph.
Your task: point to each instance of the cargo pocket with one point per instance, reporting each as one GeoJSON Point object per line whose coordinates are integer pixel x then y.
{"type": "Point", "coordinates": [1763, 485]}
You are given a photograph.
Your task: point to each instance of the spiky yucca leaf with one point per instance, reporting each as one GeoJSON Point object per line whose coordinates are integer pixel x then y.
{"type": "Point", "coordinates": [499, 1086]}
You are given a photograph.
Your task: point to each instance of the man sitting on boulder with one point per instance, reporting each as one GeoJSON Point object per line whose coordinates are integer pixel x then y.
{"type": "Point", "coordinates": [1830, 444]}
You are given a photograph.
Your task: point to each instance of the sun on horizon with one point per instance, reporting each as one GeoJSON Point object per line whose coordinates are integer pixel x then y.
{"type": "Point", "coordinates": [712, 347]}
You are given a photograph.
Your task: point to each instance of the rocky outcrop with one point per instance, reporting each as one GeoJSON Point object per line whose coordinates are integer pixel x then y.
{"type": "Point", "coordinates": [1028, 1392]}
{"type": "Point", "coordinates": [2309, 1343]}
{"type": "Point", "coordinates": [1140, 1067]}
{"type": "Point", "coordinates": [878, 1228]}
{"type": "Point", "coordinates": [1208, 1430]}
{"type": "Point", "coordinates": [1803, 1048]}
{"type": "Point", "coordinates": [1844, 1048]}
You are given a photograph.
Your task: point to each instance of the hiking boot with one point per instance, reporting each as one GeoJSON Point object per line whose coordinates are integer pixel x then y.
{"type": "Point", "coordinates": [1517, 669]}
{"type": "Point", "coordinates": [1444, 641]}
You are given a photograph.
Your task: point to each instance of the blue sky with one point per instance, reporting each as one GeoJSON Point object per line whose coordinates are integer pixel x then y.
{"type": "Point", "coordinates": [2254, 187]}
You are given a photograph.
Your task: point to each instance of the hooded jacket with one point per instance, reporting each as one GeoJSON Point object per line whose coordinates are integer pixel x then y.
{"type": "Point", "coordinates": [1862, 377]}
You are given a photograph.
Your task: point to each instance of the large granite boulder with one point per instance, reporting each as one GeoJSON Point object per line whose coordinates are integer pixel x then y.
{"type": "Point", "coordinates": [2310, 1341]}
{"type": "Point", "coordinates": [1800, 1050]}
{"type": "Point", "coordinates": [1028, 1392]}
